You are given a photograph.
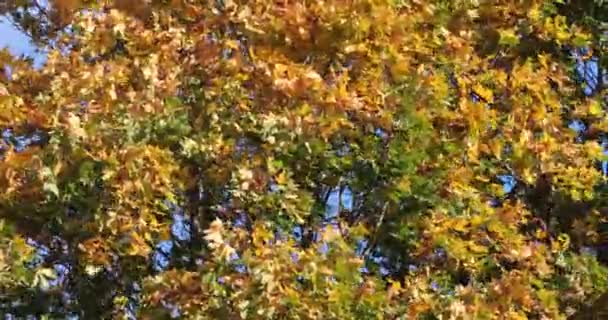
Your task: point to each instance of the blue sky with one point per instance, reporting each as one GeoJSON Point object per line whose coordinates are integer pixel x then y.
{"type": "Point", "coordinates": [17, 42]}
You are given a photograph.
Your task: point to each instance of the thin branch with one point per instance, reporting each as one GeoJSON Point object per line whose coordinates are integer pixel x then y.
{"type": "Point", "coordinates": [374, 240]}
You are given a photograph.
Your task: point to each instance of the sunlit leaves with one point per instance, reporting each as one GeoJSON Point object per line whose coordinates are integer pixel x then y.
{"type": "Point", "coordinates": [14, 254]}
{"type": "Point", "coordinates": [508, 38]}
{"type": "Point", "coordinates": [309, 160]}
{"type": "Point", "coordinates": [215, 240]}
{"type": "Point", "coordinates": [42, 278]}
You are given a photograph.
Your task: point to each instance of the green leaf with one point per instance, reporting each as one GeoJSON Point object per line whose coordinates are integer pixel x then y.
{"type": "Point", "coordinates": [508, 37]}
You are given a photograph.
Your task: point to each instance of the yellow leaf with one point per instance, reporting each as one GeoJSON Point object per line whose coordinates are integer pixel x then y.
{"type": "Point", "coordinates": [213, 235]}
{"type": "Point", "coordinates": [75, 126]}
{"type": "Point", "coordinates": [485, 93]}
{"type": "Point", "coordinates": [361, 47]}
{"type": "Point", "coordinates": [595, 108]}
{"type": "Point", "coordinates": [508, 37]}
{"type": "Point", "coordinates": [138, 246]}
{"type": "Point", "coordinates": [404, 185]}
{"type": "Point", "coordinates": [281, 178]}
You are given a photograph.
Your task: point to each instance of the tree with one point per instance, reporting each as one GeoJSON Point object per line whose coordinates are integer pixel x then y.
{"type": "Point", "coordinates": [304, 160]}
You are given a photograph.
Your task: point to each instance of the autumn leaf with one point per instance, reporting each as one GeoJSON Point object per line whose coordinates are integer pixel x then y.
{"type": "Point", "coordinates": [304, 159]}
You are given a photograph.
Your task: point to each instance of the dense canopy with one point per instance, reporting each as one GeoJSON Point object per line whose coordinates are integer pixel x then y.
{"type": "Point", "coordinates": [296, 159]}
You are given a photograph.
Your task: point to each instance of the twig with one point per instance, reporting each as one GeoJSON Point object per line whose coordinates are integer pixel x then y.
{"type": "Point", "coordinates": [372, 243]}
